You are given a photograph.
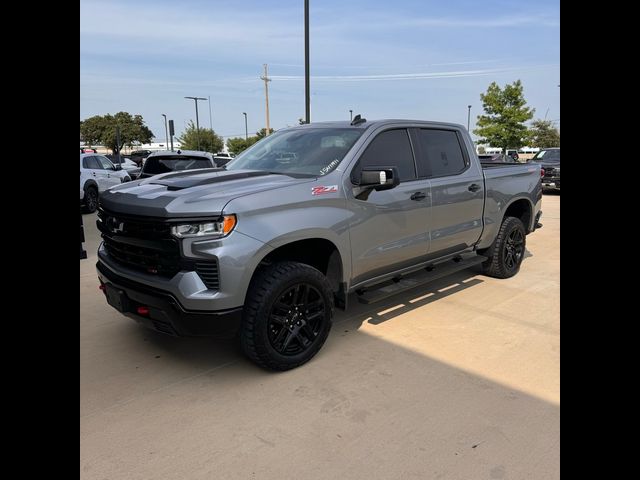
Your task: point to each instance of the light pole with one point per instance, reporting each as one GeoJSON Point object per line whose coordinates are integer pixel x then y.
{"type": "Point", "coordinates": [468, 116]}
{"type": "Point", "coordinates": [166, 130]}
{"type": "Point", "coordinates": [246, 130]}
{"type": "Point", "coordinates": [307, 87]}
{"type": "Point", "coordinates": [195, 99]}
{"type": "Point", "coordinates": [350, 115]}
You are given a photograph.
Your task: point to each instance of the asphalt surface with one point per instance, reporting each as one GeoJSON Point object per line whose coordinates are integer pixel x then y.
{"type": "Point", "coordinates": [455, 380]}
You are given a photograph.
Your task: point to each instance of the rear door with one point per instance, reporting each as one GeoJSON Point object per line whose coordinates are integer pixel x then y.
{"type": "Point", "coordinates": [388, 228]}
{"type": "Point", "coordinates": [457, 189]}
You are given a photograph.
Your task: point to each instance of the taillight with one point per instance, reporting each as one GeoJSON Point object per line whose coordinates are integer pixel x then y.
{"type": "Point", "coordinates": [542, 172]}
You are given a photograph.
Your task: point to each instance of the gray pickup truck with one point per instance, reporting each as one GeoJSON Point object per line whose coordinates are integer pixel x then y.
{"type": "Point", "coordinates": [265, 247]}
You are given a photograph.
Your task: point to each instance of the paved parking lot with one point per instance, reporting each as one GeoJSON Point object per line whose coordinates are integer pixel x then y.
{"type": "Point", "coordinates": [456, 380]}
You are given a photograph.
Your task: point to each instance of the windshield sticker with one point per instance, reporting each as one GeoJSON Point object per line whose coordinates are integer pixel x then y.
{"type": "Point", "coordinates": [322, 190]}
{"type": "Point", "coordinates": [328, 168]}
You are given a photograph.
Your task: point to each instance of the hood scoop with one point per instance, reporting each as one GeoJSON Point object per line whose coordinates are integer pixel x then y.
{"type": "Point", "coordinates": [191, 179]}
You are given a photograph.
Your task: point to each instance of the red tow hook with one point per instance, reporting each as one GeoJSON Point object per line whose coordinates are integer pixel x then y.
{"type": "Point", "coordinates": [101, 286]}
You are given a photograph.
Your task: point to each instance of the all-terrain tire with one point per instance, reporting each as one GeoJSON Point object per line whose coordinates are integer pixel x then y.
{"type": "Point", "coordinates": [507, 251]}
{"type": "Point", "coordinates": [268, 300]}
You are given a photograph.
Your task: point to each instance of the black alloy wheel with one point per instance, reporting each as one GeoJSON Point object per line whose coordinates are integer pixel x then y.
{"type": "Point", "coordinates": [296, 318]}
{"type": "Point", "coordinates": [514, 249]}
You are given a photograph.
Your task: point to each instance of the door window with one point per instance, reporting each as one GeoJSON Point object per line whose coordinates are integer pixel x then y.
{"type": "Point", "coordinates": [440, 153]}
{"type": "Point", "coordinates": [389, 149]}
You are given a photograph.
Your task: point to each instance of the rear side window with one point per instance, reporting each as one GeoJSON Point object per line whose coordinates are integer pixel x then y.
{"type": "Point", "coordinates": [91, 162]}
{"type": "Point", "coordinates": [440, 153]}
{"type": "Point", "coordinates": [389, 149]}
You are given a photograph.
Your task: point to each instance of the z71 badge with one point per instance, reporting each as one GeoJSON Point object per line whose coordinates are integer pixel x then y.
{"type": "Point", "coordinates": [323, 190]}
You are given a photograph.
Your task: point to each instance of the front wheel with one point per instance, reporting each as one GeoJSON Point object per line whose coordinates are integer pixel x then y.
{"type": "Point", "coordinates": [287, 315]}
{"type": "Point", "coordinates": [506, 253]}
{"type": "Point", "coordinates": [91, 199]}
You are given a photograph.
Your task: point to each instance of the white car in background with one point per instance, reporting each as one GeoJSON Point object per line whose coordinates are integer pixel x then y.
{"type": "Point", "coordinates": [97, 174]}
{"type": "Point", "coordinates": [127, 164]}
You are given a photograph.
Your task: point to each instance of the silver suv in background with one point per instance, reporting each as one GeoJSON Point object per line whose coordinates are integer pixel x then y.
{"type": "Point", "coordinates": [97, 174]}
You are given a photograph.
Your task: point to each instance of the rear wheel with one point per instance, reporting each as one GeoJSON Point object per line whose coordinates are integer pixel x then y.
{"type": "Point", "coordinates": [91, 199]}
{"type": "Point", "coordinates": [287, 315]}
{"type": "Point", "coordinates": [506, 253]}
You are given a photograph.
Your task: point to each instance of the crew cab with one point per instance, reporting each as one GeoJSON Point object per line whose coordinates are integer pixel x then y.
{"type": "Point", "coordinates": [307, 218]}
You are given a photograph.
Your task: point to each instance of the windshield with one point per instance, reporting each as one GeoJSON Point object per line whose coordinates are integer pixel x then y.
{"type": "Point", "coordinates": [547, 156]}
{"type": "Point", "coordinates": [310, 151]}
{"type": "Point", "coordinates": [156, 165]}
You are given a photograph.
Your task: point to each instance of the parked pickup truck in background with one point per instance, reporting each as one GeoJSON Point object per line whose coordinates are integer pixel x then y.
{"type": "Point", "coordinates": [265, 247]}
{"type": "Point", "coordinates": [549, 160]}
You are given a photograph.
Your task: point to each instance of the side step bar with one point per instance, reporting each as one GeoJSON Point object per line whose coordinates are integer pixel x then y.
{"type": "Point", "coordinates": [429, 274]}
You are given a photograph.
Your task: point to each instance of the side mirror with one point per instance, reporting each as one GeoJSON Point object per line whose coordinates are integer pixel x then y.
{"type": "Point", "coordinates": [379, 178]}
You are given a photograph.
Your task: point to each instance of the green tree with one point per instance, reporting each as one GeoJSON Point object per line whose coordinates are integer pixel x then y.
{"type": "Point", "coordinates": [238, 144]}
{"type": "Point", "coordinates": [209, 140]}
{"type": "Point", "coordinates": [481, 150]}
{"type": "Point", "coordinates": [263, 132]}
{"type": "Point", "coordinates": [543, 134]}
{"type": "Point", "coordinates": [101, 129]}
{"type": "Point", "coordinates": [506, 112]}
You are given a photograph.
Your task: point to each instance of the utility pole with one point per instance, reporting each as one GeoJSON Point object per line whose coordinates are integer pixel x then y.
{"type": "Point", "coordinates": [266, 79]}
{"type": "Point", "coordinates": [307, 94]}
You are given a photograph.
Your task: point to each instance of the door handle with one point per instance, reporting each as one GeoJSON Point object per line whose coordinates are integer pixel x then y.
{"type": "Point", "coordinates": [419, 196]}
{"type": "Point", "coordinates": [474, 187]}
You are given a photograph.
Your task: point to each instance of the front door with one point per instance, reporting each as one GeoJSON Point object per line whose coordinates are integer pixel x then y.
{"type": "Point", "coordinates": [388, 228]}
{"type": "Point", "coordinates": [110, 176]}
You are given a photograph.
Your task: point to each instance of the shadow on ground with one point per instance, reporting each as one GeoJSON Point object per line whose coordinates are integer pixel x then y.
{"type": "Point", "coordinates": [159, 407]}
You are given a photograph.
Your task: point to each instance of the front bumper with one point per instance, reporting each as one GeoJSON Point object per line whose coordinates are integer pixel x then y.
{"type": "Point", "coordinates": [163, 312]}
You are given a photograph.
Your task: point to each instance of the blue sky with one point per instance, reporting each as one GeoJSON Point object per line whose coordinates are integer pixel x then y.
{"type": "Point", "coordinates": [417, 59]}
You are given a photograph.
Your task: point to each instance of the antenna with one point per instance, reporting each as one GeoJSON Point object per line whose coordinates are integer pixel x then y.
{"type": "Point", "coordinates": [357, 120]}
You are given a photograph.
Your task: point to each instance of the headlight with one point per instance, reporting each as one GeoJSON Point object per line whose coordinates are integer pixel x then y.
{"type": "Point", "coordinates": [216, 229]}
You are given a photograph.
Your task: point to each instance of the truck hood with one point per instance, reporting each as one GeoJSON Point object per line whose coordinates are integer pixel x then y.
{"type": "Point", "coordinates": [191, 193]}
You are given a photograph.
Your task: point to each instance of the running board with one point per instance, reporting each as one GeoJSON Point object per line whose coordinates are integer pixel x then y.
{"type": "Point", "coordinates": [429, 274]}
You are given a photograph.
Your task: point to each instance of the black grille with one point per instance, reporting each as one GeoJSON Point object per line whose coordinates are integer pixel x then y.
{"type": "Point", "coordinates": [140, 244]}
{"type": "Point", "coordinates": [146, 244]}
